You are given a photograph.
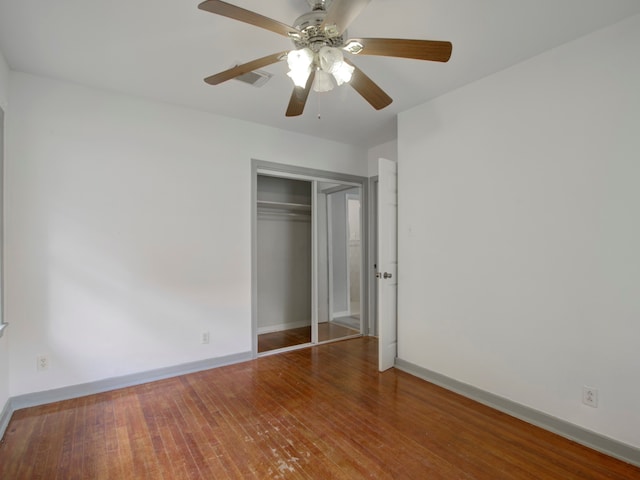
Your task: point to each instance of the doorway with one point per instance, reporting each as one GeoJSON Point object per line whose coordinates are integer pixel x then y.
{"type": "Point", "coordinates": [308, 256]}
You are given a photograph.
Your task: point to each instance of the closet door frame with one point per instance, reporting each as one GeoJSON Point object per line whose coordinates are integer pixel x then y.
{"type": "Point", "coordinates": [260, 167]}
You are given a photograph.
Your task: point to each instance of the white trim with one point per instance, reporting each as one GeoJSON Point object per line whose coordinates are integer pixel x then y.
{"type": "Point", "coordinates": [347, 249]}
{"type": "Point", "coordinates": [340, 314]}
{"type": "Point", "coordinates": [314, 262]}
{"type": "Point", "coordinates": [330, 252]}
{"type": "Point", "coordinates": [588, 438]}
{"type": "Point", "coordinates": [2, 327]}
{"type": "Point", "coordinates": [254, 259]}
{"type": "Point", "coordinates": [309, 178]}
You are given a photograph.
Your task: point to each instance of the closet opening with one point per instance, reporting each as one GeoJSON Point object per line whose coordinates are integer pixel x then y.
{"type": "Point", "coordinates": [284, 262]}
{"type": "Point", "coordinates": [308, 252]}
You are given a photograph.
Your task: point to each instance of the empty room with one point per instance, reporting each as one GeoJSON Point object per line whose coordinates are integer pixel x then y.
{"type": "Point", "coordinates": [320, 239]}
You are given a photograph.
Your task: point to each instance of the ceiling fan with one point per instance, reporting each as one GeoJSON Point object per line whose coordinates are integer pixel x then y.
{"type": "Point", "coordinates": [320, 38]}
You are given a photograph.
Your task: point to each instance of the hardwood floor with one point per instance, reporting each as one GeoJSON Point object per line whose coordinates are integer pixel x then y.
{"type": "Point", "coordinates": [318, 413]}
{"type": "Point", "coordinates": [299, 336]}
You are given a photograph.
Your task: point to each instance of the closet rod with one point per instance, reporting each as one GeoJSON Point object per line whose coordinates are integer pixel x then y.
{"type": "Point", "coordinates": [272, 213]}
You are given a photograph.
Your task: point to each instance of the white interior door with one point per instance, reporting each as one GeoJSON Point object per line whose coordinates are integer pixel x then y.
{"type": "Point", "coordinates": [387, 263]}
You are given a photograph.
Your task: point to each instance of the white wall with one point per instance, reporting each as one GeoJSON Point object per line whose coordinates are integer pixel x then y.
{"type": "Point", "coordinates": [283, 256]}
{"type": "Point", "coordinates": [322, 239]}
{"type": "Point", "coordinates": [388, 150]}
{"type": "Point", "coordinates": [339, 255]}
{"type": "Point", "coordinates": [4, 341]}
{"type": "Point", "coordinates": [128, 230]}
{"type": "Point", "coordinates": [284, 272]}
{"type": "Point", "coordinates": [519, 227]}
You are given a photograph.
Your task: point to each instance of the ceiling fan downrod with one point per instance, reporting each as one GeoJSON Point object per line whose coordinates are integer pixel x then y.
{"type": "Point", "coordinates": [319, 4]}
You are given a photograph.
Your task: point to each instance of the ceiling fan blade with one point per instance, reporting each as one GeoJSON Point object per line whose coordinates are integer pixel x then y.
{"type": "Point", "coordinates": [342, 12]}
{"type": "Point", "coordinates": [247, 16]}
{"type": "Point", "coordinates": [245, 68]}
{"type": "Point", "coordinates": [369, 90]}
{"type": "Point", "coordinates": [434, 50]}
{"type": "Point", "coordinates": [299, 97]}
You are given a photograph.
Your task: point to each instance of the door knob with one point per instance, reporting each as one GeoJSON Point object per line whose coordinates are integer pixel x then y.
{"type": "Point", "coordinates": [387, 275]}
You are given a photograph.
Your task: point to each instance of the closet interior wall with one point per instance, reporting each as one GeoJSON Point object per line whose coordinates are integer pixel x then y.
{"type": "Point", "coordinates": [284, 249]}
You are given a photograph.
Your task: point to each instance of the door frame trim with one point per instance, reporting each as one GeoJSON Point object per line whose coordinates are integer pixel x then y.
{"type": "Point", "coordinates": [372, 257]}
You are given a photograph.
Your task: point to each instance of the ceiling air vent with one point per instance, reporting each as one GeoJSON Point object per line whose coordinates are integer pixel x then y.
{"type": "Point", "coordinates": [257, 78]}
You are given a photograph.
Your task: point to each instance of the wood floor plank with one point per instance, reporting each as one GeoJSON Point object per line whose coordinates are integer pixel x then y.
{"type": "Point", "coordinates": [318, 413]}
{"type": "Point", "coordinates": [364, 439]}
{"type": "Point", "coordinates": [327, 331]}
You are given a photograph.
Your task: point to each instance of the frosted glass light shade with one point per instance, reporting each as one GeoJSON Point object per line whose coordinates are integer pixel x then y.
{"type": "Point", "coordinates": [299, 77]}
{"type": "Point", "coordinates": [332, 61]}
{"type": "Point", "coordinates": [343, 73]}
{"type": "Point", "coordinates": [300, 62]}
{"type": "Point", "coordinates": [330, 58]}
{"type": "Point", "coordinates": [323, 82]}
{"type": "Point", "coordinates": [329, 61]}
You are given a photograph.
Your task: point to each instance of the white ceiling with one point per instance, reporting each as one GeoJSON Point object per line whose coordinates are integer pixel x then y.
{"type": "Point", "coordinates": [163, 49]}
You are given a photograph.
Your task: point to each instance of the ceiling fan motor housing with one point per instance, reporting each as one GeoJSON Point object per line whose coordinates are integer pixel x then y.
{"type": "Point", "coordinates": [315, 37]}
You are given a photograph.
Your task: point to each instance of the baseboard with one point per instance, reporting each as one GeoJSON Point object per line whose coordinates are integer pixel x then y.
{"type": "Point", "coordinates": [335, 315]}
{"type": "Point", "coordinates": [100, 386]}
{"type": "Point", "coordinates": [588, 438]}
{"type": "Point", "coordinates": [283, 326]}
{"type": "Point", "coordinates": [5, 416]}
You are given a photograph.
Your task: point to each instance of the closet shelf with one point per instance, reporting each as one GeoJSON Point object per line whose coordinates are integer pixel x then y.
{"type": "Point", "coordinates": [283, 206]}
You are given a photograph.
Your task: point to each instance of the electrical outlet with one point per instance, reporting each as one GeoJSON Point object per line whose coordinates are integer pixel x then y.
{"type": "Point", "coordinates": [590, 396]}
{"type": "Point", "coordinates": [205, 337]}
{"type": "Point", "coordinates": [42, 363]}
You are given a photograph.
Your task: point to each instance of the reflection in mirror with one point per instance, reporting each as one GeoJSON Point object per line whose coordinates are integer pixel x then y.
{"type": "Point", "coordinates": [355, 254]}
{"type": "Point", "coordinates": [339, 261]}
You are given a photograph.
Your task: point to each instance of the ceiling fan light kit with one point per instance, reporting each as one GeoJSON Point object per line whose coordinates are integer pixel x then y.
{"type": "Point", "coordinates": [328, 62]}
{"type": "Point", "coordinates": [318, 60]}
